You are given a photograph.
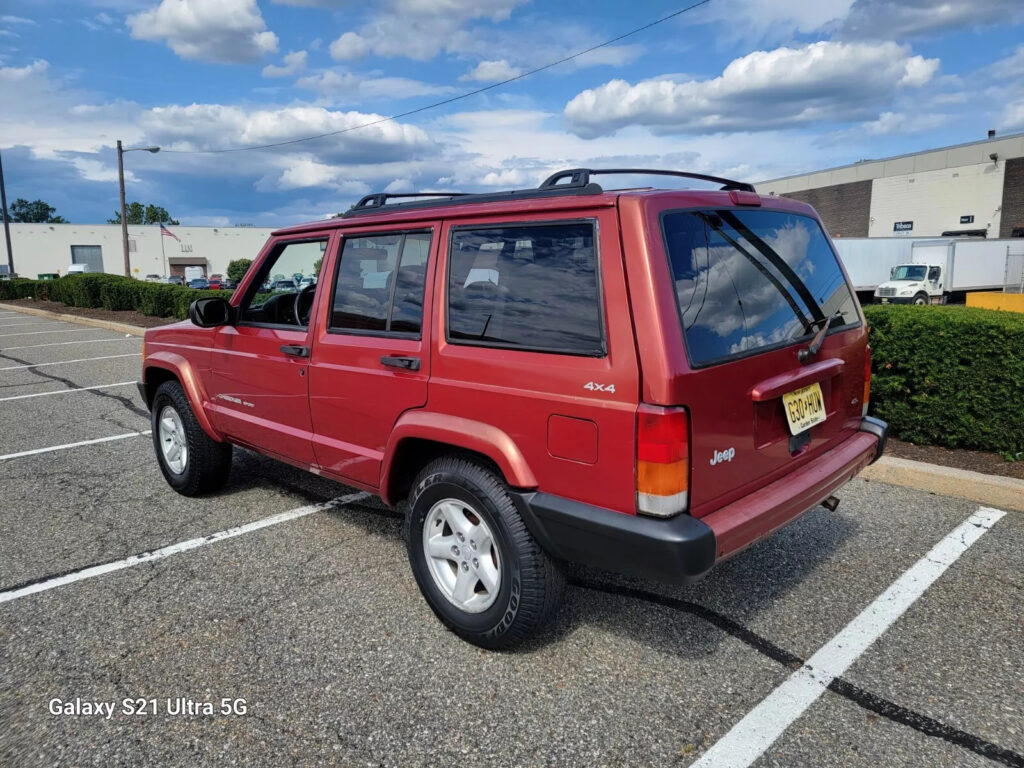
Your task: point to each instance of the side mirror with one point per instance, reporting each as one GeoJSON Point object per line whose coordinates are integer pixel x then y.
{"type": "Point", "coordinates": [892, 273]}
{"type": "Point", "coordinates": [210, 313]}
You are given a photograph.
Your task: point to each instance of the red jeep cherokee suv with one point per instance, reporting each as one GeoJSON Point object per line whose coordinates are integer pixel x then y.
{"type": "Point", "coordinates": [646, 381]}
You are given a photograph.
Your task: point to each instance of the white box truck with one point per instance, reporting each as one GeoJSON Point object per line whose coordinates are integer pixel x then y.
{"type": "Point", "coordinates": [944, 271]}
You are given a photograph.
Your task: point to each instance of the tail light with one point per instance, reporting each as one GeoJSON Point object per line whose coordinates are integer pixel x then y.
{"type": "Point", "coordinates": [662, 460]}
{"type": "Point", "coordinates": [867, 379]}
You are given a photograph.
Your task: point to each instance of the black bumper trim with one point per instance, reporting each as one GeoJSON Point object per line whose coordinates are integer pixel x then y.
{"type": "Point", "coordinates": [677, 550]}
{"type": "Point", "coordinates": [879, 429]}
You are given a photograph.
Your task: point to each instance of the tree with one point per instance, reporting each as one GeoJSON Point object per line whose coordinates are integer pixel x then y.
{"type": "Point", "coordinates": [137, 213]}
{"type": "Point", "coordinates": [36, 212]}
{"type": "Point", "coordinates": [316, 265]}
{"type": "Point", "coordinates": [238, 268]}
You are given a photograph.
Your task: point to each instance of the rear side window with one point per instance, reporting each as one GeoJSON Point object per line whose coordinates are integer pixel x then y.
{"type": "Point", "coordinates": [529, 287]}
{"type": "Point", "coordinates": [750, 280]}
{"type": "Point", "coordinates": [380, 283]}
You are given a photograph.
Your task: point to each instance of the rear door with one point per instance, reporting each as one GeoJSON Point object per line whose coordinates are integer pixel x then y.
{"type": "Point", "coordinates": [371, 357]}
{"type": "Point", "coordinates": [753, 289]}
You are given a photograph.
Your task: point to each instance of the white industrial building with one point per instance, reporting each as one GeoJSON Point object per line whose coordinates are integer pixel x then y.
{"type": "Point", "coordinates": [52, 248]}
{"type": "Point", "coordinates": [974, 189]}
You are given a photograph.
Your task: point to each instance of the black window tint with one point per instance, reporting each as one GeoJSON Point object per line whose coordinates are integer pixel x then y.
{"type": "Point", "coordinates": [533, 287]}
{"type": "Point", "coordinates": [752, 279]}
{"type": "Point", "coordinates": [407, 312]}
{"type": "Point", "coordinates": [377, 273]}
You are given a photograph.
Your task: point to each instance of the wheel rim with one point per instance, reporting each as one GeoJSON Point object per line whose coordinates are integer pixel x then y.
{"type": "Point", "coordinates": [173, 442]}
{"type": "Point", "coordinates": [462, 555]}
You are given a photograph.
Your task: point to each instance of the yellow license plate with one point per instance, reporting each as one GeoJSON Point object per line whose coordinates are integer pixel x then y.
{"type": "Point", "coordinates": [804, 408]}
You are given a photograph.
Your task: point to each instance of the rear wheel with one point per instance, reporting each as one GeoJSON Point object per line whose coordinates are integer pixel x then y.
{"type": "Point", "coordinates": [921, 299]}
{"type": "Point", "coordinates": [475, 561]}
{"type": "Point", "coordinates": [192, 462]}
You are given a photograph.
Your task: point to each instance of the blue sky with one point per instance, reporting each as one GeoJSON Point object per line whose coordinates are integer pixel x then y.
{"type": "Point", "coordinates": [753, 89]}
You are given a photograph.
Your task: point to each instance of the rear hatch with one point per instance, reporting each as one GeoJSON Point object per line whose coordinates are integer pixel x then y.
{"type": "Point", "coordinates": [754, 289]}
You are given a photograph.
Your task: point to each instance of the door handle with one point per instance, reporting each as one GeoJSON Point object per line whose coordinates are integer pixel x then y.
{"type": "Point", "coordinates": [294, 350]}
{"type": "Point", "coordinates": [407, 363]}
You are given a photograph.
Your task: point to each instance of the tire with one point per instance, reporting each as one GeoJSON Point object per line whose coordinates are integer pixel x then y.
{"type": "Point", "coordinates": [921, 299]}
{"type": "Point", "coordinates": [526, 584]}
{"type": "Point", "coordinates": [201, 464]}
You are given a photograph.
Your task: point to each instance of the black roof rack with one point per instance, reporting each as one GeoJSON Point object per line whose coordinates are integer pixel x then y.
{"type": "Point", "coordinates": [581, 177]}
{"type": "Point", "coordinates": [578, 183]}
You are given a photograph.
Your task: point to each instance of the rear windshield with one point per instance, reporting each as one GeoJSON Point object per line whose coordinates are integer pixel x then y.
{"type": "Point", "coordinates": [751, 280]}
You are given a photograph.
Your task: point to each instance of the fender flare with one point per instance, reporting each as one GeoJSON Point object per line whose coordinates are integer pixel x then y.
{"type": "Point", "coordinates": [458, 432]}
{"type": "Point", "coordinates": [186, 373]}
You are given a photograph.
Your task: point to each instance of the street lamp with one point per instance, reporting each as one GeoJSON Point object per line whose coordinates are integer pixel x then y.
{"type": "Point", "coordinates": [124, 215]}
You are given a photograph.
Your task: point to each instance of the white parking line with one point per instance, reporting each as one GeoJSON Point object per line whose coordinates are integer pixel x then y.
{"type": "Point", "coordinates": [174, 549]}
{"type": "Point", "coordinates": [758, 730]}
{"type": "Point", "coordinates": [24, 325]}
{"type": "Point", "coordinates": [62, 343]}
{"type": "Point", "coordinates": [66, 446]}
{"type": "Point", "coordinates": [36, 333]}
{"type": "Point", "coordinates": [66, 391]}
{"type": "Point", "coordinates": [68, 362]}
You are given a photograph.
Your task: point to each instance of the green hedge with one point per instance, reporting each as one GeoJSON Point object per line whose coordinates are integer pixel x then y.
{"type": "Point", "coordinates": [114, 292]}
{"type": "Point", "coordinates": [947, 375]}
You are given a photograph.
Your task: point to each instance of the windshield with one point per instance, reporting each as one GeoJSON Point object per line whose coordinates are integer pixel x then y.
{"type": "Point", "coordinates": [748, 280]}
{"type": "Point", "coordinates": [909, 272]}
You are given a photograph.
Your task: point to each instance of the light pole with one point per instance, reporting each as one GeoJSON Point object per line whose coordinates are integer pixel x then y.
{"type": "Point", "coordinates": [124, 215]}
{"type": "Point", "coordinates": [7, 227]}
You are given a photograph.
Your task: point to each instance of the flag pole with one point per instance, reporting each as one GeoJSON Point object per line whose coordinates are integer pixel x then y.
{"type": "Point", "coordinates": [162, 254]}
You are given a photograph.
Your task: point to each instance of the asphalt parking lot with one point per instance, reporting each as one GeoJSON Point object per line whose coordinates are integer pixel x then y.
{"type": "Point", "coordinates": [835, 642]}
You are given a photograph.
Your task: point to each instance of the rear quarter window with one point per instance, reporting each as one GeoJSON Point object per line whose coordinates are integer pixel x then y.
{"type": "Point", "coordinates": [529, 287]}
{"type": "Point", "coordinates": [752, 280]}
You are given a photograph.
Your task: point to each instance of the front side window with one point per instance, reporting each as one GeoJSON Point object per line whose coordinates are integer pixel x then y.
{"type": "Point", "coordinates": [282, 292]}
{"type": "Point", "coordinates": [748, 280]}
{"type": "Point", "coordinates": [532, 287]}
{"type": "Point", "coordinates": [381, 282]}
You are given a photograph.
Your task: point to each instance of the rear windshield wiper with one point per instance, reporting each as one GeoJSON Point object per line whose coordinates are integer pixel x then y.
{"type": "Point", "coordinates": [813, 348]}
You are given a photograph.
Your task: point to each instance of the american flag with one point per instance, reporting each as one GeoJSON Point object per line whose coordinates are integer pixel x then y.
{"type": "Point", "coordinates": [167, 233]}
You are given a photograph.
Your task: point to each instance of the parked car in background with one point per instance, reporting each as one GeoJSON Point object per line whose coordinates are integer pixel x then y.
{"type": "Point", "coordinates": [284, 285]}
{"type": "Point", "coordinates": [215, 283]}
{"type": "Point", "coordinates": [645, 381]}
{"type": "Point", "coordinates": [200, 283]}
{"type": "Point", "coordinates": [176, 280]}
{"type": "Point", "coordinates": [154, 278]}
{"type": "Point", "coordinates": [229, 284]}
{"type": "Point", "coordinates": [216, 276]}
{"type": "Point", "coordinates": [78, 269]}
{"type": "Point", "coordinates": [306, 282]}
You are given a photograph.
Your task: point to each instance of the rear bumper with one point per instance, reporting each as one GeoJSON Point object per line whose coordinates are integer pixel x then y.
{"type": "Point", "coordinates": [682, 549]}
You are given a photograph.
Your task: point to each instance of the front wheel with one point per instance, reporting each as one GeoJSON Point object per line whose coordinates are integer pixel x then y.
{"type": "Point", "coordinates": [475, 561]}
{"type": "Point", "coordinates": [192, 462]}
{"type": "Point", "coordinates": [921, 299]}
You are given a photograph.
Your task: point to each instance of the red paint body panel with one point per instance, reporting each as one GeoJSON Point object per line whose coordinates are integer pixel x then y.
{"type": "Point", "coordinates": [342, 413]}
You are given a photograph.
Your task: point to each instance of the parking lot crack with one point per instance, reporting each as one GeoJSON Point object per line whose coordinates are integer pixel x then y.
{"type": "Point", "coordinates": [839, 686]}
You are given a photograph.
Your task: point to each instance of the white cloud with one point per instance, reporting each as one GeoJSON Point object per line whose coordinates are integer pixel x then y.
{"type": "Point", "coordinates": [492, 72]}
{"type": "Point", "coordinates": [17, 20]}
{"type": "Point", "coordinates": [1011, 67]}
{"type": "Point", "coordinates": [1012, 117]}
{"type": "Point", "coordinates": [294, 63]}
{"type": "Point", "coordinates": [820, 82]}
{"type": "Point", "coordinates": [14, 74]}
{"type": "Point", "coordinates": [776, 20]}
{"type": "Point", "coordinates": [416, 29]}
{"type": "Point", "coordinates": [888, 20]}
{"type": "Point", "coordinates": [333, 84]}
{"type": "Point", "coordinates": [229, 31]}
{"type": "Point", "coordinates": [400, 185]}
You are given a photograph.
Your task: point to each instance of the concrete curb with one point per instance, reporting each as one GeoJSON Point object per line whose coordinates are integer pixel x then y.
{"type": "Point", "coordinates": [991, 490]}
{"type": "Point", "coordinates": [108, 325]}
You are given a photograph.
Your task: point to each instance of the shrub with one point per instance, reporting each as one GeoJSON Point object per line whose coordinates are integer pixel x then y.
{"type": "Point", "coordinates": [114, 292]}
{"type": "Point", "coordinates": [951, 376]}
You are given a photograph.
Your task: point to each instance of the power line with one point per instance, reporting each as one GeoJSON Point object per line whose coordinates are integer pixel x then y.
{"type": "Point", "coordinates": [461, 96]}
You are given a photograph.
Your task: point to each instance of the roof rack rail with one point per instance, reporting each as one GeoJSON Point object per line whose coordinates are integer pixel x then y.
{"type": "Point", "coordinates": [377, 199]}
{"type": "Point", "coordinates": [579, 184]}
{"type": "Point", "coordinates": [580, 177]}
